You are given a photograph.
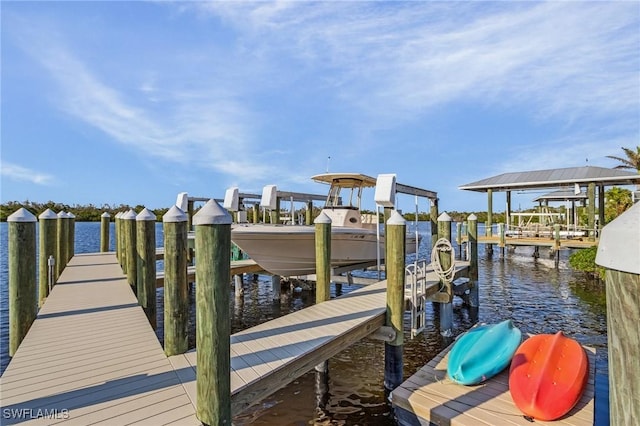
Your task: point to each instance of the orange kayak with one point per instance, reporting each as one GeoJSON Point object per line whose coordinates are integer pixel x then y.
{"type": "Point", "coordinates": [548, 375]}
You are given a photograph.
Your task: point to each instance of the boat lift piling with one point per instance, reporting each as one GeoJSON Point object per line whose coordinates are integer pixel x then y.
{"type": "Point", "coordinates": [176, 294]}
{"type": "Point", "coordinates": [213, 328]}
{"type": "Point", "coordinates": [104, 232]}
{"type": "Point", "coordinates": [23, 298]}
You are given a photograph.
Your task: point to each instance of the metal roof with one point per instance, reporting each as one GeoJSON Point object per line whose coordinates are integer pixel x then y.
{"type": "Point", "coordinates": [369, 181]}
{"type": "Point", "coordinates": [554, 178]}
{"type": "Point", "coordinates": [562, 195]}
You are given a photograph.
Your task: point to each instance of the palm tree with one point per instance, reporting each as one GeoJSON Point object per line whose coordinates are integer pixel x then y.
{"type": "Point", "coordinates": [631, 162]}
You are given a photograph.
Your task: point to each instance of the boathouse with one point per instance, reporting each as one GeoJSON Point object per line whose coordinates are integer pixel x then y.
{"type": "Point", "coordinates": [571, 180]}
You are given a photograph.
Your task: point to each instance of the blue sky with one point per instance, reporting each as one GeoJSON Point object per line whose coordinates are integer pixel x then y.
{"type": "Point", "coordinates": [133, 102]}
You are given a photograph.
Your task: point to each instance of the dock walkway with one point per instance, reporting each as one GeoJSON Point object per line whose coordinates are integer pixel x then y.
{"type": "Point", "coordinates": [91, 357]}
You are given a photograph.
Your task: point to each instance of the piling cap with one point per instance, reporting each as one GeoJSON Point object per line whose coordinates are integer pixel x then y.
{"type": "Point", "coordinates": [105, 214]}
{"type": "Point", "coordinates": [212, 213]}
{"type": "Point", "coordinates": [174, 215]}
{"type": "Point", "coordinates": [619, 246]}
{"type": "Point", "coordinates": [322, 218]}
{"type": "Point", "coordinates": [118, 215]}
{"type": "Point", "coordinates": [130, 215]}
{"type": "Point", "coordinates": [47, 214]}
{"type": "Point", "coordinates": [472, 217]}
{"type": "Point", "coordinates": [145, 215]}
{"type": "Point", "coordinates": [62, 214]}
{"type": "Point", "coordinates": [444, 217]}
{"type": "Point", "coordinates": [71, 215]}
{"type": "Point", "coordinates": [396, 219]}
{"type": "Point", "coordinates": [21, 215]}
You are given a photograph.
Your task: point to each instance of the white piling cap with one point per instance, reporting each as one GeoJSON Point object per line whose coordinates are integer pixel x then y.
{"type": "Point", "coordinates": [619, 246]}
{"type": "Point", "coordinates": [71, 215]}
{"type": "Point", "coordinates": [105, 214]}
{"type": "Point", "coordinates": [212, 213]}
{"type": "Point", "coordinates": [48, 214]}
{"type": "Point", "coordinates": [322, 218]}
{"type": "Point", "coordinates": [174, 215]}
{"type": "Point", "coordinates": [62, 214]}
{"type": "Point", "coordinates": [117, 216]}
{"type": "Point", "coordinates": [444, 217]}
{"type": "Point", "coordinates": [21, 215]}
{"type": "Point", "coordinates": [472, 217]}
{"type": "Point", "coordinates": [145, 215]}
{"type": "Point", "coordinates": [396, 219]}
{"type": "Point", "coordinates": [130, 215]}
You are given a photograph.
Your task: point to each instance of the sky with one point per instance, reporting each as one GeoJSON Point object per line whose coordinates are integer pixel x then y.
{"type": "Point", "coordinates": [134, 102]}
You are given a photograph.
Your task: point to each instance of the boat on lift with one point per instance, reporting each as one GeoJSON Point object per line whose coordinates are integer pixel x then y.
{"type": "Point", "coordinates": [289, 250]}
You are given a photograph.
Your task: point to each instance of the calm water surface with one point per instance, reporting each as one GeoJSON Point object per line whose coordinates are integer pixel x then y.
{"type": "Point", "coordinates": [538, 297]}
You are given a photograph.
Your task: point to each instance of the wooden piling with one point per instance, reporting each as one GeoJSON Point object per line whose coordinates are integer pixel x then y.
{"type": "Point", "coordinates": [591, 211]}
{"type": "Point", "coordinates": [129, 225]}
{"type": "Point", "coordinates": [459, 238]}
{"type": "Point", "coordinates": [48, 245]}
{"type": "Point", "coordinates": [23, 297]}
{"type": "Point", "coordinates": [474, 300]}
{"type": "Point", "coordinates": [61, 243]}
{"type": "Point", "coordinates": [146, 263]}
{"type": "Point", "coordinates": [275, 288]}
{"type": "Point", "coordinates": [323, 257]}
{"type": "Point", "coordinates": [176, 291]}
{"type": "Point", "coordinates": [502, 235]}
{"type": "Point", "coordinates": [256, 213]}
{"type": "Point", "coordinates": [213, 328]}
{"type": "Point", "coordinates": [394, 259]}
{"type": "Point", "coordinates": [433, 219]}
{"type": "Point", "coordinates": [309, 213]}
{"type": "Point", "coordinates": [116, 220]}
{"type": "Point", "coordinates": [618, 252]}
{"type": "Point", "coordinates": [446, 308]}
{"type": "Point", "coordinates": [105, 219]}
{"type": "Point", "coordinates": [71, 229]}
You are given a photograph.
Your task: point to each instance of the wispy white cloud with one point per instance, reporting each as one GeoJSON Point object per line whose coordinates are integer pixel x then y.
{"type": "Point", "coordinates": [24, 174]}
{"type": "Point", "coordinates": [203, 126]}
{"type": "Point", "coordinates": [565, 60]}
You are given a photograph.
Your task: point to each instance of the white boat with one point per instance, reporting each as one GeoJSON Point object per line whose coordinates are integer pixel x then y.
{"type": "Point", "coordinates": [289, 250]}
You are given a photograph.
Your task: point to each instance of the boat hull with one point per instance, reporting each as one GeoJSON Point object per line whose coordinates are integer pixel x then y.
{"type": "Point", "coordinates": [483, 352]}
{"type": "Point", "coordinates": [548, 375]}
{"type": "Point", "coordinates": [290, 250]}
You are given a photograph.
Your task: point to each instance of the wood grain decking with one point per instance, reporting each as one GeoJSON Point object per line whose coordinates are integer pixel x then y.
{"type": "Point", "coordinates": [91, 357]}
{"type": "Point", "coordinates": [428, 397]}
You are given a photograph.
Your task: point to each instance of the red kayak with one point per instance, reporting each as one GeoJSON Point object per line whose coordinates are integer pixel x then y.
{"type": "Point", "coordinates": [548, 375]}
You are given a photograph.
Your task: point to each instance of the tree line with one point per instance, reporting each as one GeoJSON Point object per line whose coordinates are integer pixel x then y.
{"type": "Point", "coordinates": [83, 213]}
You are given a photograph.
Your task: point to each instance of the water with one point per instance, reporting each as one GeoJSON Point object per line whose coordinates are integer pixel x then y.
{"type": "Point", "coordinates": [538, 297]}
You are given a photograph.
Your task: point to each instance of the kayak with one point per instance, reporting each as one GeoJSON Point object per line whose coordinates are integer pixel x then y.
{"type": "Point", "coordinates": [483, 352]}
{"type": "Point", "coordinates": [548, 375]}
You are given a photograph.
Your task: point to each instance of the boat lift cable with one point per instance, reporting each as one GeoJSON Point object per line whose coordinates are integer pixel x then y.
{"type": "Point", "coordinates": [443, 245]}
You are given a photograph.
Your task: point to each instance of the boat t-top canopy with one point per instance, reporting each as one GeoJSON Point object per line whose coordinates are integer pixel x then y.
{"type": "Point", "coordinates": [346, 180]}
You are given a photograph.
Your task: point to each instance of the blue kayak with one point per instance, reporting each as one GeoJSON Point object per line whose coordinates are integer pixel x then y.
{"type": "Point", "coordinates": [483, 352]}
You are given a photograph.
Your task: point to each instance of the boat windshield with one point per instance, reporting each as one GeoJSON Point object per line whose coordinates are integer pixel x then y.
{"type": "Point", "coordinates": [345, 193]}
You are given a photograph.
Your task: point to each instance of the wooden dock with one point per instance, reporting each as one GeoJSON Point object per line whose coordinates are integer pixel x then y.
{"type": "Point", "coordinates": [539, 241]}
{"type": "Point", "coordinates": [267, 357]}
{"type": "Point", "coordinates": [429, 398]}
{"type": "Point", "coordinates": [91, 357]}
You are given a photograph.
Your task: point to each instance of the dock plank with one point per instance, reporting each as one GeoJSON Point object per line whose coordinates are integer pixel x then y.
{"type": "Point", "coordinates": [92, 356]}
{"type": "Point", "coordinates": [420, 399]}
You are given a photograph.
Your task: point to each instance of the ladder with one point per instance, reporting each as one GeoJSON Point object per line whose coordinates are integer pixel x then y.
{"type": "Point", "coordinates": [416, 274]}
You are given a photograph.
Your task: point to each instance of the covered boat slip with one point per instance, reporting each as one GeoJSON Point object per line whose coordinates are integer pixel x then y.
{"type": "Point", "coordinates": [570, 185]}
{"type": "Point", "coordinates": [429, 398]}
